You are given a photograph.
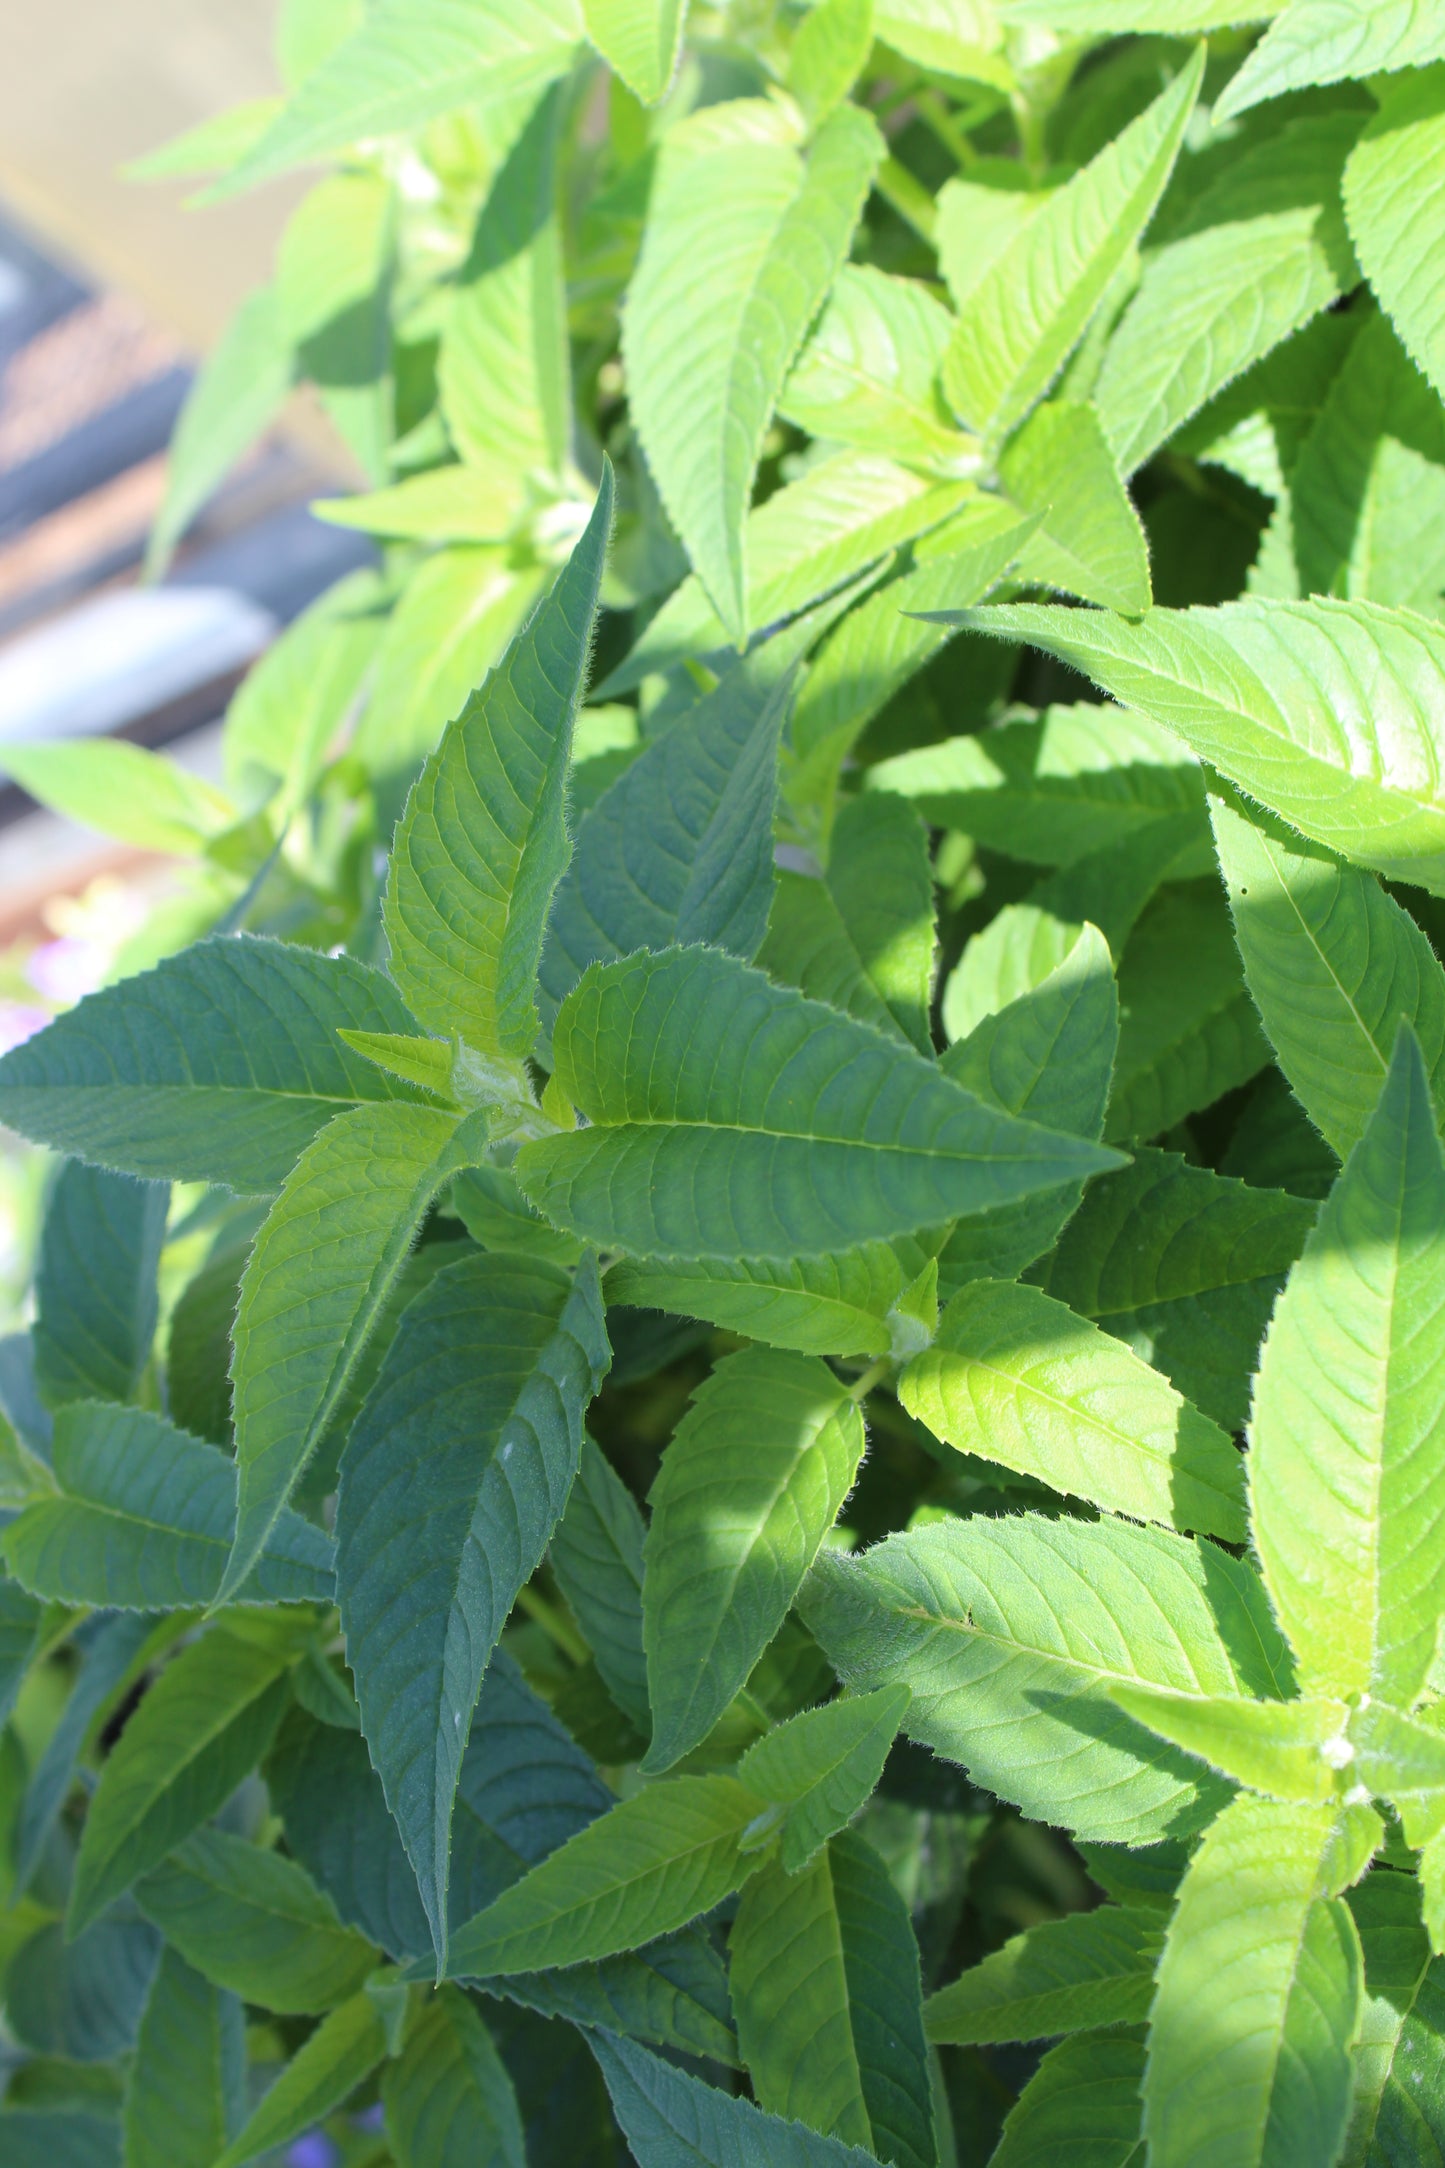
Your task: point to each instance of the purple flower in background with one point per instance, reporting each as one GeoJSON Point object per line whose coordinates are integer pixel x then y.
{"type": "Point", "coordinates": [19, 1022]}
{"type": "Point", "coordinates": [315, 2150]}
{"type": "Point", "coordinates": [372, 2118]}
{"type": "Point", "coordinates": [65, 969]}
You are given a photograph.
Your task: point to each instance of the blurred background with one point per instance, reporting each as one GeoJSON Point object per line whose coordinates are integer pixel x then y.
{"type": "Point", "coordinates": [111, 289]}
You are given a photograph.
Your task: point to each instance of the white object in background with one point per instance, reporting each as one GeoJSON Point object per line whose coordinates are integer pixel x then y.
{"type": "Point", "coordinates": [118, 656]}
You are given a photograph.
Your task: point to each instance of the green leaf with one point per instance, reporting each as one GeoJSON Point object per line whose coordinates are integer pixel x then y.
{"type": "Point", "coordinates": [1398, 2102]}
{"type": "Point", "coordinates": [841, 1304]}
{"type": "Point", "coordinates": [1288, 1750]}
{"type": "Point", "coordinates": [822, 1765]}
{"type": "Point", "coordinates": [829, 52]}
{"type": "Point", "coordinates": [83, 1998]}
{"type": "Point", "coordinates": [483, 842]}
{"type": "Point", "coordinates": [120, 789]}
{"type": "Point", "coordinates": [455, 620]}
{"type": "Point", "coordinates": [1259, 1997]}
{"type": "Point", "coordinates": [335, 264]}
{"type": "Point", "coordinates": [1063, 1976]}
{"type": "Point", "coordinates": [59, 2138]}
{"type": "Point", "coordinates": [218, 1066]}
{"type": "Point", "coordinates": [812, 537]}
{"type": "Point", "coordinates": [504, 372]}
{"type": "Point", "coordinates": [1049, 788]}
{"type": "Point", "coordinates": [744, 237]}
{"type": "Point", "coordinates": [427, 1063]}
{"type": "Point", "coordinates": [1018, 1378]}
{"type": "Point", "coordinates": [1168, 16]}
{"type": "Point", "coordinates": [1010, 1634]}
{"type": "Point", "coordinates": [671, 2120]}
{"type": "Point", "coordinates": [1091, 543]}
{"type": "Point", "coordinates": [112, 1654]}
{"type": "Point", "coordinates": [639, 40]}
{"type": "Point", "coordinates": [343, 2051]}
{"type": "Point", "coordinates": [1335, 966]}
{"type": "Point", "coordinates": [596, 1555]}
{"type": "Point", "coordinates": [1345, 1472]}
{"type": "Point", "coordinates": [20, 1619]}
{"type": "Point", "coordinates": [1261, 252]}
{"type": "Point", "coordinates": [317, 1280]}
{"type": "Point", "coordinates": [789, 1131]}
{"type": "Point", "coordinates": [1047, 1056]}
{"type": "Point", "coordinates": [449, 2101]}
{"type": "Point", "coordinates": [680, 847]}
{"type": "Point", "coordinates": [213, 146]}
{"type": "Point", "coordinates": [1030, 308]}
{"type": "Point", "coordinates": [455, 1474]}
{"type": "Point", "coordinates": [644, 1869]}
{"type": "Point", "coordinates": [1184, 1266]}
{"type": "Point", "coordinates": [1394, 191]}
{"type": "Point", "coordinates": [1273, 695]}
{"type": "Point", "coordinates": [1328, 41]}
{"type": "Point", "coordinates": [408, 62]}
{"type": "Point", "coordinates": [202, 1725]}
{"type": "Point", "coordinates": [754, 1478]}
{"type": "Point", "coordinates": [1080, 2105]}
{"type": "Point", "coordinates": [498, 1217]}
{"type": "Point", "coordinates": [879, 645]}
{"type": "Point", "coordinates": [96, 1303]}
{"type": "Point", "coordinates": [185, 2094]}
{"type": "Point", "coordinates": [233, 399]}
{"type": "Point", "coordinates": [283, 718]}
{"type": "Point", "coordinates": [868, 376]}
{"type": "Point", "coordinates": [1185, 1038]}
{"type": "Point", "coordinates": [144, 1521]}
{"type": "Point", "coordinates": [254, 1924]}
{"type": "Point", "coordinates": [823, 1967]}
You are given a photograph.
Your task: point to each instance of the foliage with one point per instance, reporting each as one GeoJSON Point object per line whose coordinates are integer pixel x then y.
{"type": "Point", "coordinates": [736, 1403]}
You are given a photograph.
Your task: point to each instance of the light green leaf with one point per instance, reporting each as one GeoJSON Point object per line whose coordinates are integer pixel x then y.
{"type": "Point", "coordinates": [408, 62]}
{"type": "Point", "coordinates": [1289, 1750]}
{"type": "Point", "coordinates": [212, 146]}
{"type": "Point", "coordinates": [233, 399]}
{"type": "Point", "coordinates": [671, 2120]}
{"type": "Point", "coordinates": [1010, 1634]}
{"type": "Point", "coordinates": [1394, 191]}
{"type": "Point", "coordinates": [1275, 696]}
{"type": "Point", "coordinates": [744, 1153]}
{"type": "Point", "coordinates": [1030, 308]}
{"type": "Point", "coordinates": [822, 1765]}
{"type": "Point", "coordinates": [292, 703]}
{"type": "Point", "coordinates": [823, 1968]}
{"type": "Point", "coordinates": [829, 52]}
{"type": "Point", "coordinates": [1261, 252]}
{"type": "Point", "coordinates": [1168, 16]}
{"type": "Point", "coordinates": [96, 1301]}
{"type": "Point", "coordinates": [1047, 1056]}
{"type": "Point", "coordinates": [453, 623]}
{"type": "Point", "coordinates": [120, 789]}
{"type": "Point", "coordinates": [879, 645]}
{"type": "Point", "coordinates": [504, 371]}
{"type": "Point", "coordinates": [144, 1522]}
{"type": "Point", "coordinates": [498, 1217]}
{"type": "Point", "coordinates": [1082, 2103]}
{"type": "Point", "coordinates": [218, 1066]}
{"type": "Point", "coordinates": [643, 1869]}
{"type": "Point", "coordinates": [343, 2051]}
{"type": "Point", "coordinates": [428, 1063]}
{"type": "Point", "coordinates": [1063, 1976]}
{"type": "Point", "coordinates": [202, 1725]}
{"type": "Point", "coordinates": [639, 40]}
{"type": "Point", "coordinates": [680, 847]}
{"type": "Point", "coordinates": [185, 2094]}
{"type": "Point", "coordinates": [483, 842]}
{"type": "Point", "coordinates": [1185, 1037]}
{"type": "Point", "coordinates": [840, 1304]}
{"type": "Point", "coordinates": [869, 374]}
{"type": "Point", "coordinates": [1259, 1998]}
{"type": "Point", "coordinates": [1335, 966]}
{"type": "Point", "coordinates": [318, 1277]}
{"type": "Point", "coordinates": [596, 1554]}
{"type": "Point", "coordinates": [1328, 41]}
{"type": "Point", "coordinates": [811, 538]}
{"type": "Point", "coordinates": [978, 220]}
{"type": "Point", "coordinates": [862, 939]}
{"type": "Point", "coordinates": [453, 1478]}
{"type": "Point", "coordinates": [1184, 1266]}
{"type": "Point", "coordinates": [744, 238]}
{"type": "Point", "coordinates": [334, 268]}
{"type": "Point", "coordinates": [480, 502]}
{"type": "Point", "coordinates": [1017, 1378]}
{"type": "Point", "coordinates": [255, 1924]}
{"type": "Point", "coordinates": [1091, 543]}
{"type": "Point", "coordinates": [449, 2101]}
{"type": "Point", "coordinates": [1049, 788]}
{"type": "Point", "coordinates": [1347, 1484]}
{"type": "Point", "coordinates": [754, 1478]}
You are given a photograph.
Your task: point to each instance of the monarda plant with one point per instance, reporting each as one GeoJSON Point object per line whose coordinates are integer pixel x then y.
{"type": "Point", "coordinates": [733, 1448]}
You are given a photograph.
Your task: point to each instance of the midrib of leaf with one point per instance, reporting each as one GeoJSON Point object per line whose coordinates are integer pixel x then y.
{"type": "Point", "coordinates": [619, 1889]}
{"type": "Point", "coordinates": [267, 1911]}
{"type": "Point", "coordinates": [1016, 1646]}
{"type": "Point", "coordinates": [1371, 1050]}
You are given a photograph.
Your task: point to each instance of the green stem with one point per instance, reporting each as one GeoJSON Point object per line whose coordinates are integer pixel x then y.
{"type": "Point", "coordinates": [553, 1623]}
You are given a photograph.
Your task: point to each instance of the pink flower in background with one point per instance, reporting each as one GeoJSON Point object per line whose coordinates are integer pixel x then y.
{"type": "Point", "coordinates": [19, 1022]}
{"type": "Point", "coordinates": [65, 969]}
